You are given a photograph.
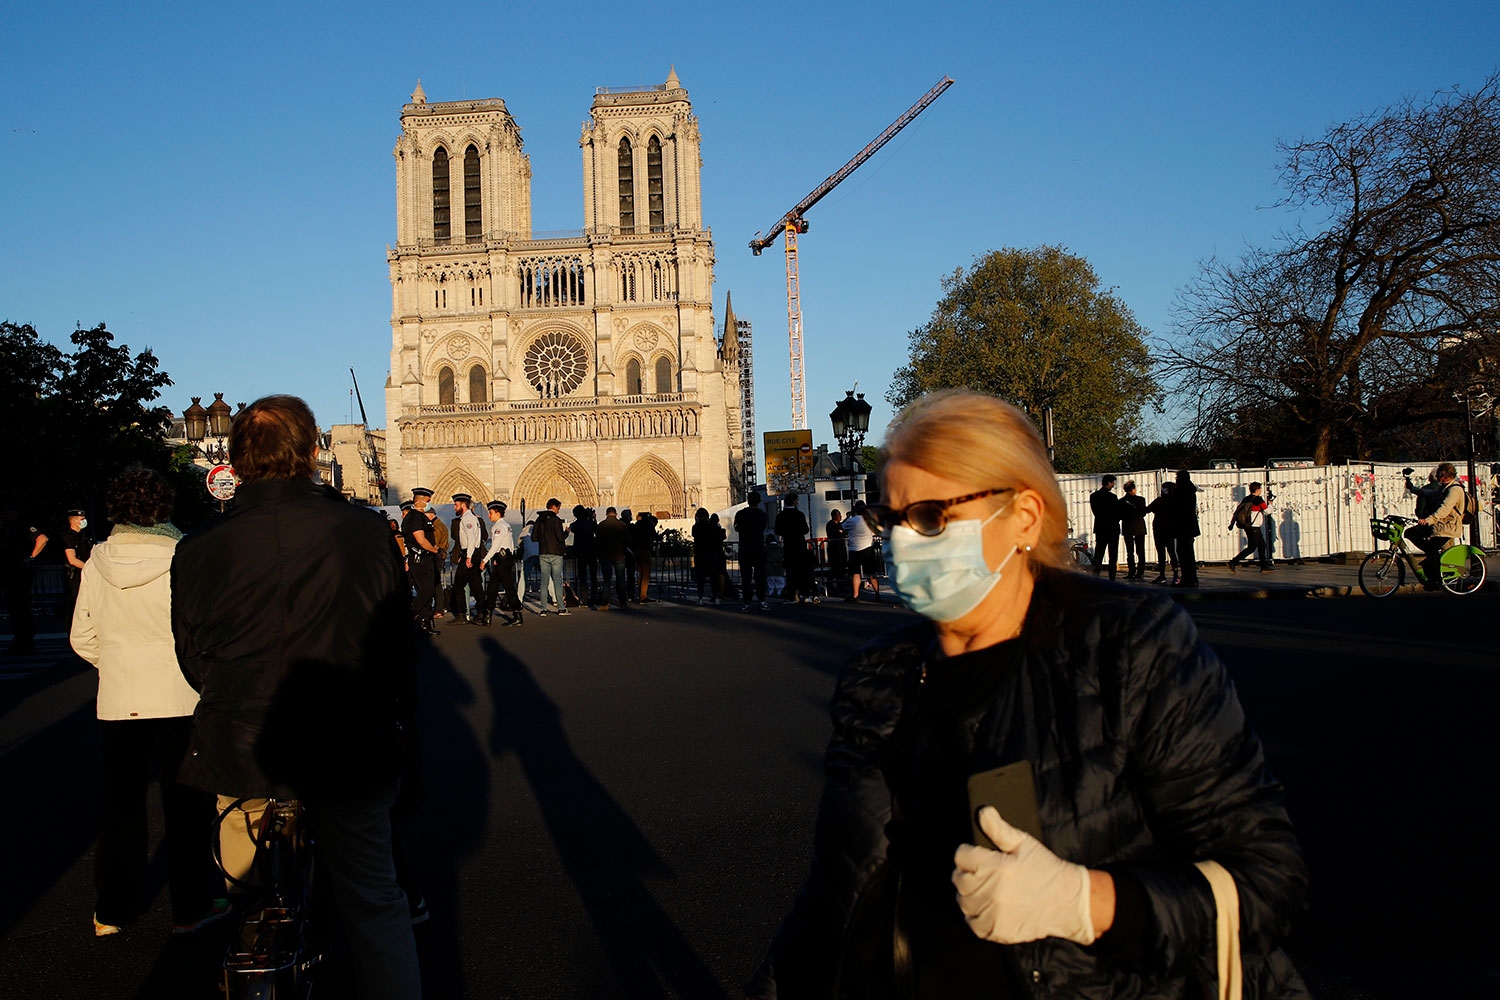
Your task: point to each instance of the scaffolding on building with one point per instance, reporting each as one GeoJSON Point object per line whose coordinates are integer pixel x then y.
{"type": "Point", "coordinates": [747, 402]}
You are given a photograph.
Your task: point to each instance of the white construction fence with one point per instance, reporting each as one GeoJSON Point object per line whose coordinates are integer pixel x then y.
{"type": "Point", "coordinates": [1319, 511]}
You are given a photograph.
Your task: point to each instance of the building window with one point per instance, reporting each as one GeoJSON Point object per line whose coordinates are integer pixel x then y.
{"type": "Point", "coordinates": [473, 221]}
{"type": "Point", "coordinates": [445, 386]}
{"type": "Point", "coordinates": [556, 364]}
{"type": "Point", "coordinates": [627, 187]}
{"type": "Point", "coordinates": [477, 382]}
{"type": "Point", "coordinates": [440, 227]}
{"type": "Point", "coordinates": [664, 375]}
{"type": "Point", "coordinates": [632, 377]}
{"type": "Point", "coordinates": [653, 185]}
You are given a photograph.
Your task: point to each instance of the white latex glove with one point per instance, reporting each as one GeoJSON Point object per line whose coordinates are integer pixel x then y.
{"type": "Point", "coordinates": [1022, 892]}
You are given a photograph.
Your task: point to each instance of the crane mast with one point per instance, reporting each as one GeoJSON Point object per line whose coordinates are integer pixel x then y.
{"type": "Point", "coordinates": [794, 222]}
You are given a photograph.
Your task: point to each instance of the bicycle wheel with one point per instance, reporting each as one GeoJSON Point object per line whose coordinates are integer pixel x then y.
{"type": "Point", "coordinates": [1382, 573]}
{"type": "Point", "coordinates": [1462, 570]}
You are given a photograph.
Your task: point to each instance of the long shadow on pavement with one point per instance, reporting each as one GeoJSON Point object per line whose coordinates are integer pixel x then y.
{"type": "Point", "coordinates": [605, 854]}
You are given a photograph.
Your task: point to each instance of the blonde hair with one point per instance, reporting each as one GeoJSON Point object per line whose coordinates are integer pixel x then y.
{"type": "Point", "coordinates": [986, 442]}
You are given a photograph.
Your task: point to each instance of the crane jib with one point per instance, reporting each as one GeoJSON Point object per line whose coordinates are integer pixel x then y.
{"type": "Point", "coordinates": [837, 177]}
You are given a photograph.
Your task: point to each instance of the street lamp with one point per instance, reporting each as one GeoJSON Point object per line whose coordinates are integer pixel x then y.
{"type": "Point", "coordinates": [851, 421]}
{"type": "Point", "coordinates": [202, 422]}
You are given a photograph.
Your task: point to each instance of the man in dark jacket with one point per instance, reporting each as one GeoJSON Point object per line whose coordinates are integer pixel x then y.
{"type": "Point", "coordinates": [613, 539]}
{"type": "Point", "coordinates": [643, 544]}
{"type": "Point", "coordinates": [1184, 510]}
{"type": "Point", "coordinates": [585, 555]}
{"type": "Point", "coordinates": [1106, 508]}
{"type": "Point", "coordinates": [750, 526]}
{"type": "Point", "coordinates": [291, 619]}
{"type": "Point", "coordinates": [551, 544]}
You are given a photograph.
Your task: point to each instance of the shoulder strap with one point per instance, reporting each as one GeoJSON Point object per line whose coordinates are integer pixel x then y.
{"type": "Point", "coordinates": [1226, 929]}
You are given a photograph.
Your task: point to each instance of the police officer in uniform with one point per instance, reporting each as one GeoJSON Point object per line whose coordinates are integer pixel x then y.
{"type": "Point", "coordinates": [468, 553]}
{"type": "Point", "coordinates": [77, 542]}
{"type": "Point", "coordinates": [501, 560]}
{"type": "Point", "coordinates": [423, 558]}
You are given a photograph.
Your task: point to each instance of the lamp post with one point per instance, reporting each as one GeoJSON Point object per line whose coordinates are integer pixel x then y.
{"type": "Point", "coordinates": [851, 421]}
{"type": "Point", "coordinates": [212, 421]}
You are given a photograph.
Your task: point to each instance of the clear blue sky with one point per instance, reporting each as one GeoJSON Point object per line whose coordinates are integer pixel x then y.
{"type": "Point", "coordinates": [216, 182]}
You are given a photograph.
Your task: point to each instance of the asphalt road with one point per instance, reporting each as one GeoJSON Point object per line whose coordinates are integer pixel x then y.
{"type": "Point", "coordinates": [621, 805]}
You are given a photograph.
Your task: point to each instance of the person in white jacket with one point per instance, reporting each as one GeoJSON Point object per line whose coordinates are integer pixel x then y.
{"type": "Point", "coordinates": [122, 624]}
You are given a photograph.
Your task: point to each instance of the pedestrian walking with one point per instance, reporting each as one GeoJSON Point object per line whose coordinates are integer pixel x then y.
{"type": "Point", "coordinates": [864, 562]}
{"type": "Point", "coordinates": [1250, 517]}
{"type": "Point", "coordinates": [1132, 507]}
{"type": "Point", "coordinates": [1137, 820]}
{"type": "Point", "coordinates": [122, 624]}
{"type": "Point", "coordinates": [500, 560]}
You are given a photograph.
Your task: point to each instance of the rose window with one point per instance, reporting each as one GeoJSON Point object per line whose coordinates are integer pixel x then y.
{"type": "Point", "coordinates": [556, 364]}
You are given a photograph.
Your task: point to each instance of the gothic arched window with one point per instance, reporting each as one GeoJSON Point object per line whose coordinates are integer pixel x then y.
{"type": "Point", "coordinates": [445, 386]}
{"type": "Point", "coordinates": [632, 377]}
{"type": "Point", "coordinates": [664, 375]}
{"type": "Point", "coordinates": [653, 185]}
{"type": "Point", "coordinates": [473, 218]}
{"type": "Point", "coordinates": [440, 223]}
{"type": "Point", "coordinates": [478, 392]}
{"type": "Point", "coordinates": [627, 187]}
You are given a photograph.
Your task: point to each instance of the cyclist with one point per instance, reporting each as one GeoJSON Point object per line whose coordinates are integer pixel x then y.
{"type": "Point", "coordinates": [1443, 524]}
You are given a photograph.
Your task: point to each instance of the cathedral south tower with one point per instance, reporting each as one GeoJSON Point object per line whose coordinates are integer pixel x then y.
{"type": "Point", "coordinates": [580, 365]}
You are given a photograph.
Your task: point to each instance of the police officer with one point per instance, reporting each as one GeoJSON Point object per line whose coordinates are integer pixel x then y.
{"type": "Point", "coordinates": [423, 558]}
{"type": "Point", "coordinates": [501, 561]}
{"type": "Point", "coordinates": [468, 551]}
{"type": "Point", "coordinates": [77, 542]}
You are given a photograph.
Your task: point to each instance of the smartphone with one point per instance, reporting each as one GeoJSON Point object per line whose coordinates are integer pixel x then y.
{"type": "Point", "coordinates": [1011, 790]}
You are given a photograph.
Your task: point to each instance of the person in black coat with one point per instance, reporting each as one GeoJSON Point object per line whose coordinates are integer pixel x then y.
{"type": "Point", "coordinates": [1148, 784]}
{"type": "Point", "coordinates": [1184, 511]}
{"type": "Point", "coordinates": [1165, 534]}
{"type": "Point", "coordinates": [1106, 508]}
{"type": "Point", "coordinates": [291, 618]}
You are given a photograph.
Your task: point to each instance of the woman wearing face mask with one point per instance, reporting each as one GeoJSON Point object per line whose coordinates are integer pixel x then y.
{"type": "Point", "coordinates": [1142, 759]}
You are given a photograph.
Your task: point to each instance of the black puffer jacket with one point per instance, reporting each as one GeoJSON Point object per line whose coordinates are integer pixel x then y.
{"type": "Point", "coordinates": [1144, 764]}
{"type": "Point", "coordinates": [292, 620]}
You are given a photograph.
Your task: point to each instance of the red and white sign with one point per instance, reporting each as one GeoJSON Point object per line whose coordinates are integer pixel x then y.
{"type": "Point", "coordinates": [222, 482]}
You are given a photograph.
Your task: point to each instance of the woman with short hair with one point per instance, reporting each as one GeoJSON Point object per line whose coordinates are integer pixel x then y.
{"type": "Point", "coordinates": [122, 624]}
{"type": "Point", "coordinates": [1116, 732]}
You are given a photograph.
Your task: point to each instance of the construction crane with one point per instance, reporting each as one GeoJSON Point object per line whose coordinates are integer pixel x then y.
{"type": "Point", "coordinates": [375, 472]}
{"type": "Point", "coordinates": [794, 223]}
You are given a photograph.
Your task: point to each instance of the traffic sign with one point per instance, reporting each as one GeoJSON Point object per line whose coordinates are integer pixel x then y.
{"type": "Point", "coordinates": [222, 482]}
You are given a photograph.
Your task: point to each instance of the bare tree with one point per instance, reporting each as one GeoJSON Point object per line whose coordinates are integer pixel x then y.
{"type": "Point", "coordinates": [1341, 326]}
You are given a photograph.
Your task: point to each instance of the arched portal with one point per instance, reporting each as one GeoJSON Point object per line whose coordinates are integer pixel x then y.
{"type": "Point", "coordinates": [651, 484]}
{"type": "Point", "coordinates": [554, 474]}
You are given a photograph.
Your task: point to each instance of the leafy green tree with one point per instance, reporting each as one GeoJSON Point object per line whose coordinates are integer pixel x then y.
{"type": "Point", "coordinates": [1346, 327]}
{"type": "Point", "coordinates": [1035, 328]}
{"type": "Point", "coordinates": [74, 420]}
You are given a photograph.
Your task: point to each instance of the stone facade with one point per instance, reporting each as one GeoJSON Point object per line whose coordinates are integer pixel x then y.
{"type": "Point", "coordinates": [583, 366]}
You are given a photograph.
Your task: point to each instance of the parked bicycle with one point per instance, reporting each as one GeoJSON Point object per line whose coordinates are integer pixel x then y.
{"type": "Point", "coordinates": [273, 956]}
{"type": "Point", "coordinates": [1460, 567]}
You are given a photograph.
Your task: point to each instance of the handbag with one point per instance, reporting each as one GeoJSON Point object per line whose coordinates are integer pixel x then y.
{"type": "Point", "coordinates": [1226, 929]}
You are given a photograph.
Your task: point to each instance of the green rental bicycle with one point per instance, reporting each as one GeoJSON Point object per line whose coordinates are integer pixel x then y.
{"type": "Point", "coordinates": [1460, 567]}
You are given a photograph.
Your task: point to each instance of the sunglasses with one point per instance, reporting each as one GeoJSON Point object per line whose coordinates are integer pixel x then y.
{"type": "Point", "coordinates": [926, 517]}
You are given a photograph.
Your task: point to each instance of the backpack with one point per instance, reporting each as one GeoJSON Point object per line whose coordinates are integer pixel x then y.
{"type": "Point", "coordinates": [1471, 507]}
{"type": "Point", "coordinates": [1242, 515]}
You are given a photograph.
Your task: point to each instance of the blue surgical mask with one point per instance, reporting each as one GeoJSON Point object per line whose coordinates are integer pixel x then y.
{"type": "Point", "coordinates": [945, 576]}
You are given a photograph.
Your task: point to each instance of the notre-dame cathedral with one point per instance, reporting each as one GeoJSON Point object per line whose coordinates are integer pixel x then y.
{"type": "Point", "coordinates": [581, 365]}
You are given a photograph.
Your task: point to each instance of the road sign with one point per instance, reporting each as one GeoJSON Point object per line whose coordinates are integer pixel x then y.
{"type": "Point", "coordinates": [222, 482]}
{"type": "Point", "coordinates": [789, 461]}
